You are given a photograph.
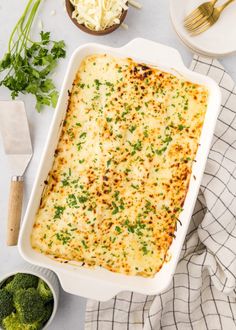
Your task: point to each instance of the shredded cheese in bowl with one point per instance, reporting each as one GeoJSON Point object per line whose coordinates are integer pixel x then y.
{"type": "Point", "coordinates": [98, 15]}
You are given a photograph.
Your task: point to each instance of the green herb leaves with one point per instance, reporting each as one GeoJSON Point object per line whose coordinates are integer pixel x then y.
{"type": "Point", "coordinates": [166, 142]}
{"type": "Point", "coordinates": [59, 210]}
{"type": "Point", "coordinates": [27, 64]}
{"type": "Point", "coordinates": [73, 201]}
{"type": "Point", "coordinates": [118, 229]}
{"type": "Point", "coordinates": [136, 147]}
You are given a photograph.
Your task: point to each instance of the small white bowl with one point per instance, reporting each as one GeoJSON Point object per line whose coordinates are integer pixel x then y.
{"type": "Point", "coordinates": [47, 276]}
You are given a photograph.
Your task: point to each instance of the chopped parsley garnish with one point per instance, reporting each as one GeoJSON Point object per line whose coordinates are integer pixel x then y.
{"type": "Point", "coordinates": [161, 151]}
{"type": "Point", "coordinates": [71, 200]}
{"type": "Point", "coordinates": [115, 208]}
{"type": "Point", "coordinates": [116, 195]}
{"type": "Point", "coordinates": [166, 142]}
{"type": "Point", "coordinates": [58, 212]}
{"type": "Point", "coordinates": [124, 113]}
{"type": "Point", "coordinates": [84, 244]}
{"type": "Point", "coordinates": [127, 170]}
{"type": "Point", "coordinates": [65, 182]}
{"type": "Point", "coordinates": [132, 129]}
{"type": "Point", "coordinates": [96, 97]}
{"type": "Point", "coordinates": [64, 237]}
{"type": "Point", "coordinates": [181, 127]}
{"type": "Point", "coordinates": [79, 145]}
{"type": "Point", "coordinates": [148, 207]}
{"type": "Point", "coordinates": [109, 162]}
{"type": "Point", "coordinates": [135, 227]}
{"type": "Point", "coordinates": [136, 147]}
{"type": "Point", "coordinates": [118, 229]}
{"type": "Point", "coordinates": [82, 199]}
{"type": "Point", "coordinates": [81, 85]}
{"type": "Point", "coordinates": [145, 250]}
{"type": "Point", "coordinates": [167, 139]}
{"type": "Point", "coordinates": [83, 135]}
{"type": "Point", "coordinates": [97, 84]}
{"type": "Point", "coordinates": [109, 84]}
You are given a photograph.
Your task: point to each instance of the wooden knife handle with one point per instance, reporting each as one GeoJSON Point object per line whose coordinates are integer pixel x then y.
{"type": "Point", "coordinates": [14, 210]}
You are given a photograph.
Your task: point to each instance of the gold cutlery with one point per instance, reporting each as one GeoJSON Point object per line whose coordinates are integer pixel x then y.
{"type": "Point", "coordinates": [200, 14]}
{"type": "Point", "coordinates": [211, 20]}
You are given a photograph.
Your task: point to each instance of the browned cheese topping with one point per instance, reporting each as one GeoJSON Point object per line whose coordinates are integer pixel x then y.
{"type": "Point", "coordinates": [122, 167]}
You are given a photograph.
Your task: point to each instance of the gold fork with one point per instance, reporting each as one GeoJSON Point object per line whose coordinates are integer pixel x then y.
{"type": "Point", "coordinates": [211, 20]}
{"type": "Point", "coordinates": [199, 15]}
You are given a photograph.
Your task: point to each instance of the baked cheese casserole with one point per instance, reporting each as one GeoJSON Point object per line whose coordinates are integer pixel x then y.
{"type": "Point", "coordinates": [122, 167]}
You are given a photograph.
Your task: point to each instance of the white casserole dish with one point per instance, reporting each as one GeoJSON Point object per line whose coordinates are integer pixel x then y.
{"type": "Point", "coordinates": [101, 284]}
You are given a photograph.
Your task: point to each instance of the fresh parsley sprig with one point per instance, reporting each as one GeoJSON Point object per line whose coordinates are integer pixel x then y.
{"type": "Point", "coordinates": [27, 64]}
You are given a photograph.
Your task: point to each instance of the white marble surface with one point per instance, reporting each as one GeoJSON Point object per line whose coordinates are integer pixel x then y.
{"type": "Point", "coordinates": [151, 22]}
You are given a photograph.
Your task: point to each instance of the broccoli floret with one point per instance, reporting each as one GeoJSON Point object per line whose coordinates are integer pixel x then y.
{"type": "Point", "coordinates": [48, 312]}
{"type": "Point", "coordinates": [8, 280]}
{"type": "Point", "coordinates": [44, 291]}
{"type": "Point", "coordinates": [6, 304]}
{"type": "Point", "coordinates": [22, 281]}
{"type": "Point", "coordinates": [12, 322]}
{"type": "Point", "coordinates": [29, 305]}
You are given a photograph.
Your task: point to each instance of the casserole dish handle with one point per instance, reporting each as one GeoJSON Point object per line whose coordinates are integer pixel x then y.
{"type": "Point", "coordinates": [88, 287]}
{"type": "Point", "coordinates": [154, 52]}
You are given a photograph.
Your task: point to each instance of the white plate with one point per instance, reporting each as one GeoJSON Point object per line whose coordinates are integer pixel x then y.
{"type": "Point", "coordinates": [218, 41]}
{"type": "Point", "coordinates": [99, 283]}
{"type": "Point", "coordinates": [195, 50]}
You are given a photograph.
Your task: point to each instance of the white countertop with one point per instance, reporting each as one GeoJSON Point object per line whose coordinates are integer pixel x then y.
{"type": "Point", "coordinates": [152, 22]}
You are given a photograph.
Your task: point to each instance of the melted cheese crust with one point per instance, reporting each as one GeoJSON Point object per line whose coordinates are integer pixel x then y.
{"type": "Point", "coordinates": [122, 167]}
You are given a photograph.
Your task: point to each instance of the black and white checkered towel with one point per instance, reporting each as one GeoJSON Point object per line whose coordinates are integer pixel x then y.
{"type": "Point", "coordinates": [202, 294]}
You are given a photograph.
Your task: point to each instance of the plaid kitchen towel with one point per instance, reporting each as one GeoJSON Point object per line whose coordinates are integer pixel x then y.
{"type": "Point", "coordinates": [202, 294]}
